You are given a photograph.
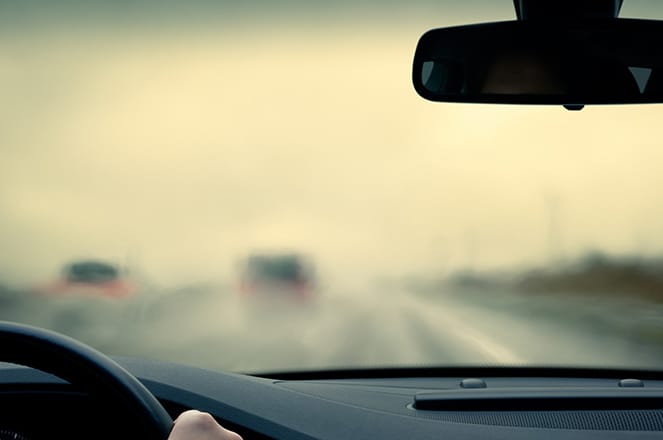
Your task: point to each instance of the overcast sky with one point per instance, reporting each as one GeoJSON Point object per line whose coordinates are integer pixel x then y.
{"type": "Point", "coordinates": [181, 150]}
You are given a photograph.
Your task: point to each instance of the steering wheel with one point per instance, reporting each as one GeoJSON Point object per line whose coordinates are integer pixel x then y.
{"type": "Point", "coordinates": [88, 369]}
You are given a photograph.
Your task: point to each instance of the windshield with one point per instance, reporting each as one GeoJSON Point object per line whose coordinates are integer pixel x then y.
{"type": "Point", "coordinates": [255, 186]}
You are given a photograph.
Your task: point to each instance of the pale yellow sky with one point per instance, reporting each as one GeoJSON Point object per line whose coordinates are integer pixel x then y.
{"type": "Point", "coordinates": [185, 152]}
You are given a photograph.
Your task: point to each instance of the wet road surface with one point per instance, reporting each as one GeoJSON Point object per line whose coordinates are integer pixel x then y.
{"type": "Point", "coordinates": [214, 327]}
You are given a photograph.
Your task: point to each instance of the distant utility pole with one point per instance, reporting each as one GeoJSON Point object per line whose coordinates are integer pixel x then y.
{"type": "Point", "coordinates": [553, 207]}
{"type": "Point", "coordinates": [471, 243]}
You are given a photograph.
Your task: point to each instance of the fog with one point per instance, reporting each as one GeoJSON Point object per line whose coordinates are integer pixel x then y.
{"type": "Point", "coordinates": [178, 154]}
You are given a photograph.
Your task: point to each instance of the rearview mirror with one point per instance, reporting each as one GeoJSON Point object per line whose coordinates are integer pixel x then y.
{"type": "Point", "coordinates": [609, 61]}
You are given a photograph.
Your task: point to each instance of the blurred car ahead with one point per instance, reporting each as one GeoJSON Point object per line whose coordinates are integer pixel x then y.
{"type": "Point", "coordinates": [279, 274]}
{"type": "Point", "coordinates": [95, 278]}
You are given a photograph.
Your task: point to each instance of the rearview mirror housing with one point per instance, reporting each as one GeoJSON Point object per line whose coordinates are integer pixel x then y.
{"type": "Point", "coordinates": [566, 62]}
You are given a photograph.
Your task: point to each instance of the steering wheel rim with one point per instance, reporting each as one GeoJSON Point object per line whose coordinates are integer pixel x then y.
{"type": "Point", "coordinates": [85, 367]}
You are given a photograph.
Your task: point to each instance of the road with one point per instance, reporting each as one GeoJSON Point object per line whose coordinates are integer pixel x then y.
{"type": "Point", "coordinates": [213, 328]}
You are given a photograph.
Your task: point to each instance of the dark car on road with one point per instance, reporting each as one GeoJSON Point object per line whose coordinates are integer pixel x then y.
{"type": "Point", "coordinates": [92, 277]}
{"type": "Point", "coordinates": [289, 274]}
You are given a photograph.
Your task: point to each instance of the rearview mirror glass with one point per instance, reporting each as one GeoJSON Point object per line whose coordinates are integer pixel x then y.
{"type": "Point", "coordinates": [610, 61]}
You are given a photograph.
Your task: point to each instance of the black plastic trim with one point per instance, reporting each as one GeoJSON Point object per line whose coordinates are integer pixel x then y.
{"type": "Point", "coordinates": [470, 371]}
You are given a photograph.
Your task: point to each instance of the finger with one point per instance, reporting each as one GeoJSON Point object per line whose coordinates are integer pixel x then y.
{"type": "Point", "coordinates": [196, 425]}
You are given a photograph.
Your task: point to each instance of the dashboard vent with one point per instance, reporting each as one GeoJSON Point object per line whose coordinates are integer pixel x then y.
{"type": "Point", "coordinates": [619, 420]}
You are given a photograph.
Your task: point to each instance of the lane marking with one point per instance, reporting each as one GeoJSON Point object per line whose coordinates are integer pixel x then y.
{"type": "Point", "coordinates": [475, 338]}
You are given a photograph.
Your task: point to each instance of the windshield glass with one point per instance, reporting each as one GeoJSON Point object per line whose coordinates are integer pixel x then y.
{"type": "Point", "coordinates": [255, 186]}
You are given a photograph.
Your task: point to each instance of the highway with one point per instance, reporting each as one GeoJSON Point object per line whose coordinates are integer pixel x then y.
{"type": "Point", "coordinates": [213, 327]}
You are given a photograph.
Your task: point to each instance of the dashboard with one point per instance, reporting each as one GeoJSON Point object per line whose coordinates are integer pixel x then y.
{"type": "Point", "coordinates": [483, 403]}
